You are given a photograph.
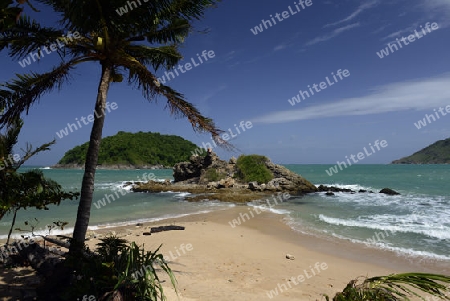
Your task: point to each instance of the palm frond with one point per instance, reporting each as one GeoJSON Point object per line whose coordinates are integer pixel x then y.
{"type": "Point", "coordinates": [151, 88]}
{"type": "Point", "coordinates": [30, 152]}
{"type": "Point", "coordinates": [177, 105]}
{"type": "Point", "coordinates": [165, 56]}
{"type": "Point", "coordinates": [10, 138]}
{"type": "Point", "coordinates": [396, 287]}
{"type": "Point", "coordinates": [27, 36]}
{"type": "Point", "coordinates": [173, 32]}
{"type": "Point", "coordinates": [19, 94]}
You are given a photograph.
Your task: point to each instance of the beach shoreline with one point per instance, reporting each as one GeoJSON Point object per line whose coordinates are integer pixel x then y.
{"type": "Point", "coordinates": [213, 260]}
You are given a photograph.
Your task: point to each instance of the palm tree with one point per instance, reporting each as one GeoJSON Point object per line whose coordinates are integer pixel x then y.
{"type": "Point", "coordinates": [132, 45]}
{"type": "Point", "coordinates": [10, 12]}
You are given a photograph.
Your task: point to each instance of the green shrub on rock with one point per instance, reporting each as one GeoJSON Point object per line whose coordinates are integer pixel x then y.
{"type": "Point", "coordinates": [253, 168]}
{"type": "Point", "coordinates": [213, 175]}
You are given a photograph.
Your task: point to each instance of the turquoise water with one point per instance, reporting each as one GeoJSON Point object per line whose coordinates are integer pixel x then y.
{"type": "Point", "coordinates": [415, 223]}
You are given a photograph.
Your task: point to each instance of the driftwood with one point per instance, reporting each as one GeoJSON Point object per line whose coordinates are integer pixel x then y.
{"type": "Point", "coordinates": [165, 228]}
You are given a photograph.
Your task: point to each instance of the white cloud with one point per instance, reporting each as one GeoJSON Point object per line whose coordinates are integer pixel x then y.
{"type": "Point", "coordinates": [437, 5]}
{"type": "Point", "coordinates": [410, 95]}
{"type": "Point", "coordinates": [437, 11]}
{"type": "Point", "coordinates": [212, 93]}
{"type": "Point", "coordinates": [399, 33]}
{"type": "Point", "coordinates": [331, 35]}
{"type": "Point", "coordinates": [353, 15]}
{"type": "Point", "coordinates": [279, 47]}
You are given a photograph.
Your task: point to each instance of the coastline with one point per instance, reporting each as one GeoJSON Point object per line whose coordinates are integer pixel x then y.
{"type": "Point", "coordinates": [112, 167]}
{"type": "Point", "coordinates": [249, 261]}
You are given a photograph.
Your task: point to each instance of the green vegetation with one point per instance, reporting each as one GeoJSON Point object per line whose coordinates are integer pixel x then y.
{"type": "Point", "coordinates": [135, 149]}
{"type": "Point", "coordinates": [128, 50]}
{"type": "Point", "coordinates": [10, 12]}
{"type": "Point", "coordinates": [436, 153]}
{"type": "Point", "coordinates": [213, 175]}
{"type": "Point", "coordinates": [28, 189]}
{"type": "Point", "coordinates": [253, 168]}
{"type": "Point", "coordinates": [396, 287]}
{"type": "Point", "coordinates": [119, 271]}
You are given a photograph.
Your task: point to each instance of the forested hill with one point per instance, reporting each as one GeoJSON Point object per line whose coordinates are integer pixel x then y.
{"type": "Point", "coordinates": [436, 153]}
{"type": "Point", "coordinates": [139, 150]}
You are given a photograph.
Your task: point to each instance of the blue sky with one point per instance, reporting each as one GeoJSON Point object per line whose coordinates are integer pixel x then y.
{"type": "Point", "coordinates": [252, 77]}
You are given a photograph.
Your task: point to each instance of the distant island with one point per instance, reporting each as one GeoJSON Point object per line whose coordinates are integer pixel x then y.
{"type": "Point", "coordinates": [133, 151]}
{"type": "Point", "coordinates": [436, 153]}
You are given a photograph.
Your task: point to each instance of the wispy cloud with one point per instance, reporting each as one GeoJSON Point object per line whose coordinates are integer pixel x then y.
{"type": "Point", "coordinates": [400, 32]}
{"type": "Point", "coordinates": [213, 93]}
{"type": "Point", "coordinates": [354, 14]}
{"type": "Point", "coordinates": [279, 47]}
{"type": "Point", "coordinates": [331, 35]}
{"type": "Point", "coordinates": [229, 56]}
{"type": "Point", "coordinates": [439, 10]}
{"type": "Point", "coordinates": [410, 95]}
{"type": "Point", "coordinates": [438, 5]}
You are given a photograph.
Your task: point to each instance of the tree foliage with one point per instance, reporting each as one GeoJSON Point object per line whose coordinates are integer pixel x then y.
{"type": "Point", "coordinates": [436, 153]}
{"type": "Point", "coordinates": [130, 48]}
{"type": "Point", "coordinates": [21, 190]}
{"type": "Point", "coordinates": [253, 168]}
{"type": "Point", "coordinates": [120, 271]}
{"type": "Point", "coordinates": [135, 149]}
{"type": "Point", "coordinates": [10, 12]}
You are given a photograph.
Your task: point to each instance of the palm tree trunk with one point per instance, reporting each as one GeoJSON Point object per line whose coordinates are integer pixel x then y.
{"type": "Point", "coordinates": [87, 186]}
{"type": "Point", "coordinates": [12, 225]}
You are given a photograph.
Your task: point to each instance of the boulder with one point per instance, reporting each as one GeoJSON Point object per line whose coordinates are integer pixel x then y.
{"type": "Point", "coordinates": [389, 191]}
{"type": "Point", "coordinates": [253, 186]}
{"type": "Point", "coordinates": [226, 183]}
{"type": "Point", "coordinates": [291, 180]}
{"type": "Point", "coordinates": [324, 188]}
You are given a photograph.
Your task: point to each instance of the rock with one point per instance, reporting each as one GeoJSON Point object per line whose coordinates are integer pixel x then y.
{"type": "Point", "coordinates": [212, 176]}
{"type": "Point", "coordinates": [292, 181]}
{"type": "Point", "coordinates": [226, 183]}
{"type": "Point", "coordinates": [289, 256]}
{"type": "Point", "coordinates": [212, 185]}
{"type": "Point", "coordinates": [279, 184]}
{"type": "Point", "coordinates": [195, 171]}
{"type": "Point", "coordinates": [188, 170]}
{"type": "Point", "coordinates": [253, 186]}
{"type": "Point", "coordinates": [323, 188]}
{"type": "Point", "coordinates": [139, 224]}
{"type": "Point", "coordinates": [389, 191]}
{"type": "Point", "coordinates": [329, 193]}
{"type": "Point", "coordinates": [147, 233]}
{"type": "Point", "coordinates": [362, 191]}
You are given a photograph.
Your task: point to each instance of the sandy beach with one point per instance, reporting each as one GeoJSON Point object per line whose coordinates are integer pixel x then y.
{"type": "Point", "coordinates": [214, 261]}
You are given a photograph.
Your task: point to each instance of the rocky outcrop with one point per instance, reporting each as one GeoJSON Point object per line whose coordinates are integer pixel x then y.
{"type": "Point", "coordinates": [202, 170]}
{"type": "Point", "coordinates": [211, 175]}
{"type": "Point", "coordinates": [112, 166]}
{"type": "Point", "coordinates": [286, 180]}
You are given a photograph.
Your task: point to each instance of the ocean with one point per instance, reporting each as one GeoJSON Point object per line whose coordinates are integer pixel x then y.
{"type": "Point", "coordinates": [414, 224]}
